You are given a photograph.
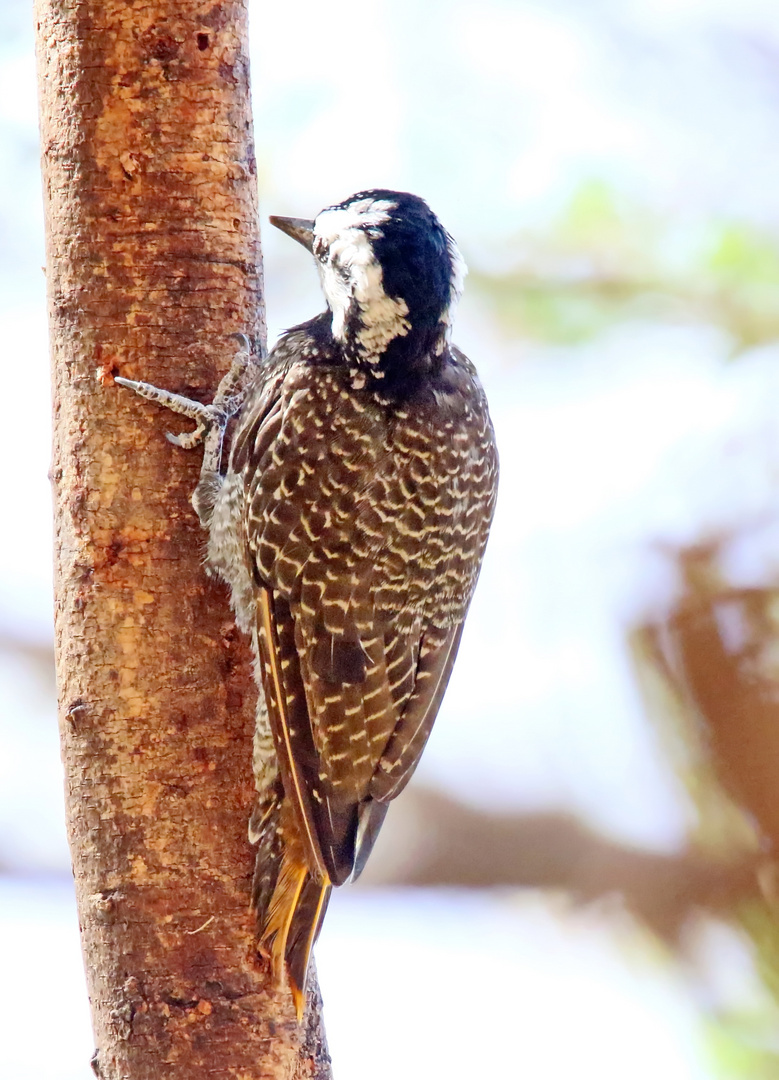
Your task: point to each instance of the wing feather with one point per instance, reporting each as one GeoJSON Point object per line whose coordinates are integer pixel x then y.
{"type": "Point", "coordinates": [289, 718]}
{"type": "Point", "coordinates": [366, 532]}
{"type": "Point", "coordinates": [436, 658]}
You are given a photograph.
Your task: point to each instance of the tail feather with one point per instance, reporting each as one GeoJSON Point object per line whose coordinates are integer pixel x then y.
{"type": "Point", "coordinates": [290, 906]}
{"type": "Point", "coordinates": [280, 912]}
{"type": "Point", "coordinates": [306, 924]}
{"type": "Point", "coordinates": [370, 820]}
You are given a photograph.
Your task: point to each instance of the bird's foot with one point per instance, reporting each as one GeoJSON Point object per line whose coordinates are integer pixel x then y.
{"type": "Point", "coordinates": [211, 420]}
{"type": "Point", "coordinates": [227, 401]}
{"type": "Point", "coordinates": [205, 415]}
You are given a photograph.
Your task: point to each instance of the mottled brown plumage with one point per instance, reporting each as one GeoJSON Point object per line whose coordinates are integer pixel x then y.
{"type": "Point", "coordinates": [351, 524]}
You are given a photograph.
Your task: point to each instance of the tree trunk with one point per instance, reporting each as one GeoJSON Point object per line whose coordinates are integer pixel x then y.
{"type": "Point", "coordinates": [153, 260]}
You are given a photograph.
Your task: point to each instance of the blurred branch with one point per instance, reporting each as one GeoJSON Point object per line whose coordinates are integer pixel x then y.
{"type": "Point", "coordinates": [604, 262]}
{"type": "Point", "coordinates": [718, 654]}
{"type": "Point", "coordinates": [433, 840]}
{"type": "Point", "coordinates": [710, 670]}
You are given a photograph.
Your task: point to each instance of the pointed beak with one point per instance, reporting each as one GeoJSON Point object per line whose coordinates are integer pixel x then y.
{"type": "Point", "coordinates": [298, 228]}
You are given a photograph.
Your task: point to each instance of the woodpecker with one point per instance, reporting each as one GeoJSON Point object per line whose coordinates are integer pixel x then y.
{"type": "Point", "coordinates": [350, 523]}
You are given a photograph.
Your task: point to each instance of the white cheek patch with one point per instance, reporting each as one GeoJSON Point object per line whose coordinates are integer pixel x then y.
{"type": "Point", "coordinates": [336, 290]}
{"type": "Point", "coordinates": [358, 278]}
{"type": "Point", "coordinates": [332, 223]}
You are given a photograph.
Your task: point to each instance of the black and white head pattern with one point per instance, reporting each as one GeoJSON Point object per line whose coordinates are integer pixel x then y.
{"type": "Point", "coordinates": [390, 272]}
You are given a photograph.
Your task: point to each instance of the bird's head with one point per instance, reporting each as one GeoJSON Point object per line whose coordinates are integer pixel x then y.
{"type": "Point", "coordinates": [392, 276]}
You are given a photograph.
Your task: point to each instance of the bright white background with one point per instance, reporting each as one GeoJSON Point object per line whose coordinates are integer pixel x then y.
{"type": "Point", "coordinates": [496, 113]}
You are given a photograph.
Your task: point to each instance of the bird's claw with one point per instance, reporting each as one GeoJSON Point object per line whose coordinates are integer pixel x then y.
{"type": "Point", "coordinates": [211, 420]}
{"type": "Point", "coordinates": [187, 440]}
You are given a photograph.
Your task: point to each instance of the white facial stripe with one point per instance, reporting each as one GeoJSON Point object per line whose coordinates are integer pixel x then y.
{"type": "Point", "coordinates": [351, 273]}
{"type": "Point", "coordinates": [332, 223]}
{"type": "Point", "coordinates": [338, 292]}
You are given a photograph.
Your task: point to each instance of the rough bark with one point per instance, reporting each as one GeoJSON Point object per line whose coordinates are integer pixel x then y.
{"type": "Point", "coordinates": [153, 260]}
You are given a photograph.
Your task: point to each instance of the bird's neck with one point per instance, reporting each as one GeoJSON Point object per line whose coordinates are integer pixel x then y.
{"type": "Point", "coordinates": [392, 356]}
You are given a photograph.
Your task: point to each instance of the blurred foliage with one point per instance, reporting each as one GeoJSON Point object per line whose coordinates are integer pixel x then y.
{"type": "Point", "coordinates": [606, 260]}
{"type": "Point", "coordinates": [743, 1041]}
{"type": "Point", "coordinates": [709, 674]}
{"type": "Point", "coordinates": [736, 1045]}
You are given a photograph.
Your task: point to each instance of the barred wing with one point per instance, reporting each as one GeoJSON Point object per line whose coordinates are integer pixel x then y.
{"type": "Point", "coordinates": [366, 531]}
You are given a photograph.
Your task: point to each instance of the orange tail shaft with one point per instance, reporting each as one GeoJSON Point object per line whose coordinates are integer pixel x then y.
{"type": "Point", "coordinates": [289, 925]}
